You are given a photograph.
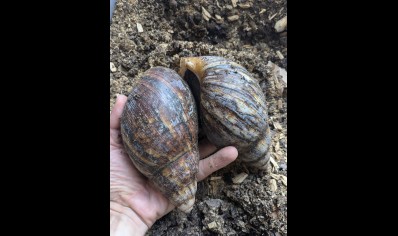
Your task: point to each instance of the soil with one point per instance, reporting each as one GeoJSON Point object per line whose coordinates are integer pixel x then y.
{"type": "Point", "coordinates": [178, 28]}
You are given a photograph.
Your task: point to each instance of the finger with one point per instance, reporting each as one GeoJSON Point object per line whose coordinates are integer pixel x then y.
{"type": "Point", "coordinates": [206, 148]}
{"type": "Point", "coordinates": [117, 111]}
{"type": "Point", "coordinates": [216, 161]}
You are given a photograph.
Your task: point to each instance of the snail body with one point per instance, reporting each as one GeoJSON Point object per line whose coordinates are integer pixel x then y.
{"type": "Point", "coordinates": [159, 128]}
{"type": "Point", "coordinates": [231, 106]}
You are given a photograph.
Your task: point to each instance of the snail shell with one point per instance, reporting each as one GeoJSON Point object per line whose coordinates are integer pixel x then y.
{"type": "Point", "coordinates": [232, 106]}
{"type": "Point", "coordinates": [159, 128]}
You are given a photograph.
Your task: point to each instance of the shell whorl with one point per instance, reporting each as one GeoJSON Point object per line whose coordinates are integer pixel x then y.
{"type": "Point", "coordinates": [232, 107]}
{"type": "Point", "coordinates": [159, 131]}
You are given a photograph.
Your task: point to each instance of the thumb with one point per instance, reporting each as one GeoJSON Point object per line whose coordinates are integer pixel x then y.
{"type": "Point", "coordinates": [117, 111]}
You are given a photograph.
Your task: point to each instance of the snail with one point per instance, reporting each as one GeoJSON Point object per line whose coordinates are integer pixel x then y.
{"type": "Point", "coordinates": [231, 106]}
{"type": "Point", "coordinates": [159, 128]}
{"type": "Point", "coordinates": [163, 113]}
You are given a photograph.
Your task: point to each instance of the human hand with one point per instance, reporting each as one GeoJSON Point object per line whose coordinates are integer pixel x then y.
{"type": "Point", "coordinates": [135, 203]}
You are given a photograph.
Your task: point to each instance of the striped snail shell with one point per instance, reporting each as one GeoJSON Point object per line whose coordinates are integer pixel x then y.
{"type": "Point", "coordinates": [232, 109]}
{"type": "Point", "coordinates": [159, 128]}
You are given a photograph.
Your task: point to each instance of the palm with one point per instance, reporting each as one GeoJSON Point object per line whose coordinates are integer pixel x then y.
{"type": "Point", "coordinates": [129, 186]}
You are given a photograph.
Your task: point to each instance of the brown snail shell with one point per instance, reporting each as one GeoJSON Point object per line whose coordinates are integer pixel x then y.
{"type": "Point", "coordinates": [232, 109]}
{"type": "Point", "coordinates": [159, 128]}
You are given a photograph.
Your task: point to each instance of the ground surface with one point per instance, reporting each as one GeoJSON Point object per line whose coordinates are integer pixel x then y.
{"type": "Point", "coordinates": [178, 28]}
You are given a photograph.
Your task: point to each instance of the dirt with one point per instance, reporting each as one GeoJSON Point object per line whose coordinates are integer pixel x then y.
{"type": "Point", "coordinates": [177, 28]}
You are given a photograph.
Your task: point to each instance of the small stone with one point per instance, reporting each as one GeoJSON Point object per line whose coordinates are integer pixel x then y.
{"type": "Point", "coordinates": [113, 67]}
{"type": "Point", "coordinates": [283, 167]}
{"type": "Point", "coordinates": [262, 11]}
{"type": "Point", "coordinates": [139, 28]}
{"type": "Point", "coordinates": [281, 24]}
{"type": "Point", "coordinates": [234, 2]}
{"type": "Point", "coordinates": [173, 4]}
{"type": "Point", "coordinates": [233, 18]}
{"type": "Point", "coordinates": [213, 203]}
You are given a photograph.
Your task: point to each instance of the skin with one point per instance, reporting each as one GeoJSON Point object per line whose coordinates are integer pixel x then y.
{"type": "Point", "coordinates": [135, 204]}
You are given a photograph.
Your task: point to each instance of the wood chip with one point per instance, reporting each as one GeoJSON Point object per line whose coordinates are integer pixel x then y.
{"type": "Point", "coordinates": [274, 176]}
{"type": "Point", "coordinates": [239, 178]}
{"type": "Point", "coordinates": [163, 46]}
{"type": "Point", "coordinates": [277, 146]}
{"type": "Point", "coordinates": [113, 67]}
{"type": "Point", "coordinates": [280, 104]}
{"type": "Point", "coordinates": [280, 153]}
{"type": "Point", "coordinates": [278, 73]}
{"type": "Point", "coordinates": [273, 185]}
{"type": "Point", "coordinates": [279, 54]}
{"type": "Point", "coordinates": [244, 5]}
{"type": "Point", "coordinates": [272, 17]}
{"type": "Point", "coordinates": [281, 24]}
{"type": "Point", "coordinates": [277, 137]}
{"type": "Point", "coordinates": [279, 77]}
{"type": "Point", "coordinates": [215, 178]}
{"type": "Point", "coordinates": [284, 180]}
{"type": "Point", "coordinates": [234, 2]}
{"type": "Point", "coordinates": [277, 125]}
{"type": "Point", "coordinates": [262, 11]}
{"type": "Point", "coordinates": [233, 18]}
{"type": "Point", "coordinates": [274, 164]}
{"type": "Point", "coordinates": [205, 14]}
{"type": "Point", "coordinates": [277, 156]}
{"type": "Point", "coordinates": [139, 28]}
{"type": "Point", "coordinates": [218, 5]}
{"type": "Point", "coordinates": [219, 19]}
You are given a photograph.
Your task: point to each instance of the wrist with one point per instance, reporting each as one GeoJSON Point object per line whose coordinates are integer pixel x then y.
{"type": "Point", "coordinates": [124, 221]}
